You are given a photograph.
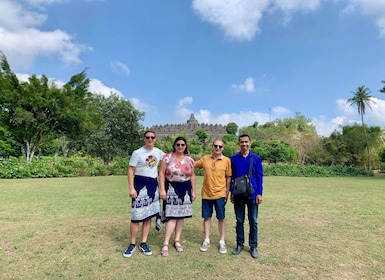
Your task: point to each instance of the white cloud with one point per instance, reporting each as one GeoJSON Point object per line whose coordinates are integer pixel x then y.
{"type": "Point", "coordinates": [143, 107]}
{"type": "Point", "coordinates": [186, 100]}
{"type": "Point", "coordinates": [22, 41]}
{"type": "Point", "coordinates": [239, 19]}
{"type": "Point", "coordinates": [348, 115]}
{"type": "Point", "coordinates": [96, 86]}
{"type": "Point", "coordinates": [372, 8]}
{"type": "Point", "coordinates": [247, 86]}
{"type": "Point", "coordinates": [119, 67]}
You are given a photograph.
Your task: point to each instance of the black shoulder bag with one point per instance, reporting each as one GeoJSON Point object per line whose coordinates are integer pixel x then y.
{"type": "Point", "coordinates": [242, 185]}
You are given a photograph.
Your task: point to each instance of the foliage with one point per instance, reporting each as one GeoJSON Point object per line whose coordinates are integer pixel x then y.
{"type": "Point", "coordinates": [47, 167]}
{"type": "Point", "coordinates": [38, 111]}
{"type": "Point", "coordinates": [362, 98]}
{"type": "Point", "coordinates": [120, 132]}
{"type": "Point", "coordinates": [313, 170]}
{"type": "Point", "coordinates": [203, 136]}
{"type": "Point", "coordinates": [232, 128]}
{"type": "Point", "coordinates": [228, 138]}
{"type": "Point", "coordinates": [274, 151]}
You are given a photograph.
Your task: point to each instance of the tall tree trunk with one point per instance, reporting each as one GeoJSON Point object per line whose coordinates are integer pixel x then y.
{"type": "Point", "coordinates": [366, 142]}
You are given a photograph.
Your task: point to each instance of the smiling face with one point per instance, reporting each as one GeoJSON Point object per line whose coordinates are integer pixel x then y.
{"type": "Point", "coordinates": [217, 147]}
{"type": "Point", "coordinates": [180, 146]}
{"type": "Point", "coordinates": [149, 140]}
{"type": "Point", "coordinates": [244, 144]}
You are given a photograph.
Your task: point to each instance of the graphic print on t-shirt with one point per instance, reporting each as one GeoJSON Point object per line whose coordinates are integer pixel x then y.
{"type": "Point", "coordinates": [151, 161]}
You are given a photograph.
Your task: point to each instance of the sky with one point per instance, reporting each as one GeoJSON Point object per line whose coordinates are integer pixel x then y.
{"type": "Point", "coordinates": [241, 61]}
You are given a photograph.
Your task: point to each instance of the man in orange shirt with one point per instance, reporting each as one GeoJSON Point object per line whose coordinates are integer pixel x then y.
{"type": "Point", "coordinates": [215, 191]}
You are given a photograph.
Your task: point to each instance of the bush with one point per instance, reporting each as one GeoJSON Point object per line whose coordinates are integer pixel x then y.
{"type": "Point", "coordinates": [293, 170]}
{"type": "Point", "coordinates": [45, 167]}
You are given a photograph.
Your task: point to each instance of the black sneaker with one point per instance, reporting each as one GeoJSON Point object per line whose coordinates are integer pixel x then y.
{"type": "Point", "coordinates": [130, 250]}
{"type": "Point", "coordinates": [145, 249]}
{"type": "Point", "coordinates": [238, 250]}
{"type": "Point", "coordinates": [254, 252]}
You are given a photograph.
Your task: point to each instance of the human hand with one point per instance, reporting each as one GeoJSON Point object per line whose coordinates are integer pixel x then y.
{"type": "Point", "coordinates": [163, 195]}
{"type": "Point", "coordinates": [133, 193]}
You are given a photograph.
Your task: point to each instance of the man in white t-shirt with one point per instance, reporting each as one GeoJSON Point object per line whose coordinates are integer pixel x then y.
{"type": "Point", "coordinates": [144, 191]}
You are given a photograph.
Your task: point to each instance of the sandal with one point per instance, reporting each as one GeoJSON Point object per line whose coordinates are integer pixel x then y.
{"type": "Point", "coordinates": [164, 251]}
{"type": "Point", "coordinates": [179, 247]}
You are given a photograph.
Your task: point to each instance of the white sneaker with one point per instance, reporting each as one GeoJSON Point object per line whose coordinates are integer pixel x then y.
{"type": "Point", "coordinates": [205, 246]}
{"type": "Point", "coordinates": [222, 248]}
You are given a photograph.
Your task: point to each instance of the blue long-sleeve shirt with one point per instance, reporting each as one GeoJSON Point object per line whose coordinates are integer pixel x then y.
{"type": "Point", "coordinates": [240, 167]}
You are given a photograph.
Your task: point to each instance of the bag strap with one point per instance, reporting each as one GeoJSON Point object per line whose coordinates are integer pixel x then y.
{"type": "Point", "coordinates": [250, 166]}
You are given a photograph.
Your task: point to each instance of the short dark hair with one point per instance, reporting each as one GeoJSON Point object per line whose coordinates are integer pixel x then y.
{"type": "Point", "coordinates": [147, 131]}
{"type": "Point", "coordinates": [244, 135]}
{"type": "Point", "coordinates": [178, 139]}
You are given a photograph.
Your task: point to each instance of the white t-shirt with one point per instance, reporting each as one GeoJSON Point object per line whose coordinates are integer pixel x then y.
{"type": "Point", "coordinates": [146, 161]}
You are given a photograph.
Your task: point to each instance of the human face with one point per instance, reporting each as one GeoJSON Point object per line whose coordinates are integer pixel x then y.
{"type": "Point", "coordinates": [149, 139]}
{"type": "Point", "coordinates": [217, 148]}
{"type": "Point", "coordinates": [244, 143]}
{"type": "Point", "coordinates": [180, 146]}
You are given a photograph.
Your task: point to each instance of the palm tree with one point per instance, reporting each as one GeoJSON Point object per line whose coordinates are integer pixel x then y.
{"type": "Point", "coordinates": [361, 99]}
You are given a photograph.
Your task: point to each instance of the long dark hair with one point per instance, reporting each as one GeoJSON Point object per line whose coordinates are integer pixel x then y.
{"type": "Point", "coordinates": [185, 147]}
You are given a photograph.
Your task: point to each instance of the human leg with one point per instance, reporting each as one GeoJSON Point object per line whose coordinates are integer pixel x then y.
{"type": "Point", "coordinates": [207, 227]}
{"type": "Point", "coordinates": [239, 209]}
{"type": "Point", "coordinates": [134, 228]}
{"type": "Point", "coordinates": [169, 229]}
{"type": "Point", "coordinates": [178, 233]}
{"type": "Point", "coordinates": [207, 212]}
{"type": "Point", "coordinates": [253, 222]}
{"type": "Point", "coordinates": [146, 227]}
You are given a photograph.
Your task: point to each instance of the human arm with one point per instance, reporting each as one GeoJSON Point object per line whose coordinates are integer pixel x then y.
{"type": "Point", "coordinates": [193, 186]}
{"type": "Point", "coordinates": [130, 175]}
{"type": "Point", "coordinates": [161, 178]}
{"type": "Point", "coordinates": [259, 179]}
{"type": "Point", "coordinates": [228, 182]}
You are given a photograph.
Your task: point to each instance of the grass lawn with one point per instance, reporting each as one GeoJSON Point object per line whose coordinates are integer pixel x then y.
{"type": "Point", "coordinates": [77, 228]}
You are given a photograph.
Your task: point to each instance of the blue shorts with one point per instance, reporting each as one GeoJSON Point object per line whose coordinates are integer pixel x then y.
{"type": "Point", "coordinates": [209, 204]}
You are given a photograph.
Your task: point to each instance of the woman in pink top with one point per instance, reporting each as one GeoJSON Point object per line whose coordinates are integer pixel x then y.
{"type": "Point", "coordinates": [177, 189]}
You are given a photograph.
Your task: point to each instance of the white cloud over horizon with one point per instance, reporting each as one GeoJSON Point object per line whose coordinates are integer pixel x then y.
{"type": "Point", "coordinates": [23, 28]}
{"type": "Point", "coordinates": [22, 41]}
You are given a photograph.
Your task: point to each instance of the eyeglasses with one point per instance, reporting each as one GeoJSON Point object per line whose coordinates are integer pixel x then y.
{"type": "Point", "coordinates": [218, 146]}
{"type": "Point", "coordinates": [180, 145]}
{"type": "Point", "coordinates": [150, 137]}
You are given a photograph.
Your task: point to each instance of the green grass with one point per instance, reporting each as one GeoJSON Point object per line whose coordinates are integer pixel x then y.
{"type": "Point", "coordinates": [77, 228]}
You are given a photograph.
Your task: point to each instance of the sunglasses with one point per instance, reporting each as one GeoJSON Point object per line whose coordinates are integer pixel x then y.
{"type": "Point", "coordinates": [218, 146]}
{"type": "Point", "coordinates": [180, 145]}
{"type": "Point", "coordinates": [149, 137]}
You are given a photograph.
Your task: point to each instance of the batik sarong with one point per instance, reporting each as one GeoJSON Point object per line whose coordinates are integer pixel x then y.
{"type": "Point", "coordinates": [179, 200]}
{"type": "Point", "coordinates": [146, 205]}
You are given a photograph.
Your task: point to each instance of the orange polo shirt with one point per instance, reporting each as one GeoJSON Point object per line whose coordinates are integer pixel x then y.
{"type": "Point", "coordinates": [216, 172]}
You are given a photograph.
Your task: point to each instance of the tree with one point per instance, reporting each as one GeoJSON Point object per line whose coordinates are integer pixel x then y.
{"type": "Point", "coordinates": [274, 151]}
{"type": "Point", "coordinates": [203, 136]}
{"type": "Point", "coordinates": [232, 128]}
{"type": "Point", "coordinates": [38, 111]}
{"type": "Point", "coordinates": [361, 98]}
{"type": "Point", "coordinates": [120, 133]}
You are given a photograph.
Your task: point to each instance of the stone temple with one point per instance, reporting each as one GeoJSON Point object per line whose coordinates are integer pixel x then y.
{"type": "Point", "coordinates": [189, 128]}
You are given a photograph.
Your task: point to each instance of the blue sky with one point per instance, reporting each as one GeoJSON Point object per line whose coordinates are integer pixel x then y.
{"type": "Point", "coordinates": [225, 61]}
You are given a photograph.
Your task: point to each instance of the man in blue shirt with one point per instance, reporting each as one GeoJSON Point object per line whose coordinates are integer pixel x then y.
{"type": "Point", "coordinates": [240, 163]}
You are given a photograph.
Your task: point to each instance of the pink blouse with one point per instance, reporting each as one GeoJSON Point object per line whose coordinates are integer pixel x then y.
{"type": "Point", "coordinates": [178, 170]}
